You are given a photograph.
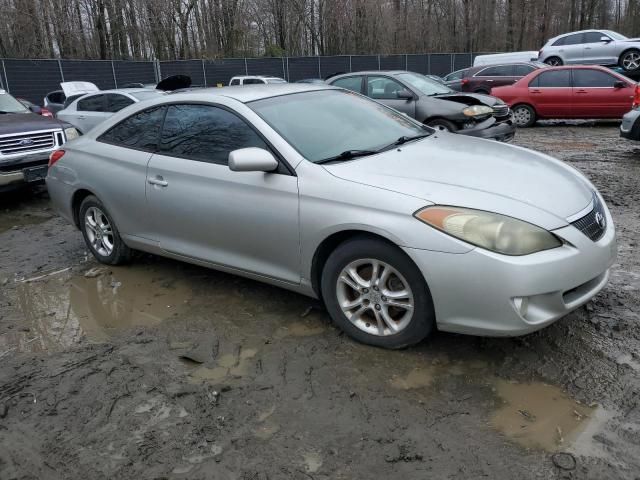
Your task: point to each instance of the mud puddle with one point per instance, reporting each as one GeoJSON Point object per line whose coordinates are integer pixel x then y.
{"type": "Point", "coordinates": [61, 310]}
{"type": "Point", "coordinates": [13, 219]}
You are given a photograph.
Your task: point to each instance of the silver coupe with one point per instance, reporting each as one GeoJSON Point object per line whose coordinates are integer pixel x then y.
{"type": "Point", "coordinates": [399, 229]}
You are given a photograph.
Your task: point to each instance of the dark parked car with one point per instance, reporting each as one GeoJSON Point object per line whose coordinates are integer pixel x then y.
{"type": "Point", "coordinates": [26, 141]}
{"type": "Point", "coordinates": [630, 127]}
{"type": "Point", "coordinates": [35, 108]}
{"type": "Point", "coordinates": [433, 103]}
{"type": "Point", "coordinates": [483, 78]}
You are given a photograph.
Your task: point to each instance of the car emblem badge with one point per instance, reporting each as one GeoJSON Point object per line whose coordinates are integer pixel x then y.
{"type": "Point", "coordinates": [600, 220]}
{"type": "Point", "coordinates": [26, 141]}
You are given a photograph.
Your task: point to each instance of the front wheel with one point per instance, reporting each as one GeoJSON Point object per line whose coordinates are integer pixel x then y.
{"type": "Point", "coordinates": [100, 233]}
{"type": "Point", "coordinates": [630, 60]}
{"type": "Point", "coordinates": [441, 125]}
{"type": "Point", "coordinates": [376, 294]}
{"type": "Point", "coordinates": [524, 116]}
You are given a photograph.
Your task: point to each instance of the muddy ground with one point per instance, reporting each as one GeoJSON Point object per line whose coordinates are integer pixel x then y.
{"type": "Point", "coordinates": [165, 370]}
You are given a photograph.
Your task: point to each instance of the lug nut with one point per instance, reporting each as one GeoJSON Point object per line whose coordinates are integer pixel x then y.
{"type": "Point", "coordinates": [365, 290]}
{"type": "Point", "coordinates": [378, 306]}
{"type": "Point", "coordinates": [384, 299]}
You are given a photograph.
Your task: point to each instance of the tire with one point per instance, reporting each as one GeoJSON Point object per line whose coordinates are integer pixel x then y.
{"type": "Point", "coordinates": [101, 234]}
{"type": "Point", "coordinates": [365, 313]}
{"type": "Point", "coordinates": [630, 60]}
{"type": "Point", "coordinates": [481, 91]}
{"type": "Point", "coordinates": [442, 125]}
{"type": "Point", "coordinates": [524, 115]}
{"type": "Point", "coordinates": [554, 61]}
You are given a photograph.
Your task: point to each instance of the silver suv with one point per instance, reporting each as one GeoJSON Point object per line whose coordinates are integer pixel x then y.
{"type": "Point", "coordinates": [592, 47]}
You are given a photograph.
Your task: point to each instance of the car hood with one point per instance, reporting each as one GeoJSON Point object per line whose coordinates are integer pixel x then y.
{"type": "Point", "coordinates": [449, 169]}
{"type": "Point", "coordinates": [11, 123]}
{"type": "Point", "coordinates": [469, 98]}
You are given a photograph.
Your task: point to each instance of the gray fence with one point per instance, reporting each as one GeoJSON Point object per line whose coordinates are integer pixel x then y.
{"type": "Point", "coordinates": [33, 79]}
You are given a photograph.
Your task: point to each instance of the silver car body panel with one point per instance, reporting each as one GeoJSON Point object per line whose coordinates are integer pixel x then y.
{"type": "Point", "coordinates": [269, 226]}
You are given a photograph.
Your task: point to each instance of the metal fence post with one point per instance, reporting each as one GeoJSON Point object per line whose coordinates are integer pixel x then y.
{"type": "Point", "coordinates": [246, 68]}
{"type": "Point", "coordinates": [350, 67]}
{"type": "Point", "coordinates": [6, 80]}
{"type": "Point", "coordinates": [204, 73]}
{"type": "Point", "coordinates": [113, 70]}
{"type": "Point", "coordinates": [285, 71]}
{"type": "Point", "coordinates": [61, 72]}
{"type": "Point", "coordinates": [428, 63]}
{"type": "Point", "coordinates": [319, 68]}
{"type": "Point", "coordinates": [406, 61]}
{"type": "Point", "coordinates": [156, 70]}
{"type": "Point", "coordinates": [378, 62]}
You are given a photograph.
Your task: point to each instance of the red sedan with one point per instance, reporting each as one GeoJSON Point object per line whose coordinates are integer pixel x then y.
{"type": "Point", "coordinates": [568, 92]}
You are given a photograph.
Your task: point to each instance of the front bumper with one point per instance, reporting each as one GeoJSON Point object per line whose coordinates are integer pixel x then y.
{"type": "Point", "coordinates": [502, 130]}
{"type": "Point", "coordinates": [630, 126]}
{"type": "Point", "coordinates": [484, 293]}
{"type": "Point", "coordinates": [12, 172]}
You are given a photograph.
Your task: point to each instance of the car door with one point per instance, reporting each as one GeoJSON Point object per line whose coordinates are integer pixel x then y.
{"type": "Point", "coordinates": [571, 48]}
{"type": "Point", "coordinates": [203, 210]}
{"type": "Point", "coordinates": [90, 111]}
{"type": "Point", "coordinates": [597, 52]}
{"type": "Point", "coordinates": [386, 89]}
{"type": "Point", "coordinates": [125, 150]}
{"type": "Point", "coordinates": [493, 76]}
{"type": "Point", "coordinates": [551, 94]}
{"type": "Point", "coordinates": [595, 94]}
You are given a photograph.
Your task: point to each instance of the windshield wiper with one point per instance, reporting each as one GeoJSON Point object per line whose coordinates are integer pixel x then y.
{"type": "Point", "coordinates": [348, 155]}
{"type": "Point", "coordinates": [404, 139]}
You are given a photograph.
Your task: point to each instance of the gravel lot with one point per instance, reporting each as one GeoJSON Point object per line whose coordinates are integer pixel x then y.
{"type": "Point", "coordinates": [166, 370]}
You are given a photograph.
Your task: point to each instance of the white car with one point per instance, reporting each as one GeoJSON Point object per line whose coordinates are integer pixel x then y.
{"type": "Point", "coordinates": [511, 57]}
{"type": "Point", "coordinates": [89, 110]}
{"type": "Point", "coordinates": [592, 47]}
{"type": "Point", "coordinates": [255, 80]}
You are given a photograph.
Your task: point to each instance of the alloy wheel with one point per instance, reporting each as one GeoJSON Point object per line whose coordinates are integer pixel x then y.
{"type": "Point", "coordinates": [375, 297]}
{"type": "Point", "coordinates": [631, 61]}
{"type": "Point", "coordinates": [99, 231]}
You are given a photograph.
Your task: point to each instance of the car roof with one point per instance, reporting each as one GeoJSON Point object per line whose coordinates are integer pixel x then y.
{"type": "Point", "coordinates": [250, 93]}
{"type": "Point", "coordinates": [124, 90]}
{"type": "Point", "coordinates": [257, 76]}
{"type": "Point", "coordinates": [499, 64]}
{"type": "Point", "coordinates": [562, 35]}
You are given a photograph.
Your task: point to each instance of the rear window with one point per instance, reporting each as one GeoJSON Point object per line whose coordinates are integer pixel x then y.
{"type": "Point", "coordinates": [552, 79]}
{"type": "Point", "coordinates": [93, 103]}
{"type": "Point", "coordinates": [140, 131]}
{"type": "Point", "coordinates": [497, 71]}
{"type": "Point", "coordinates": [350, 83]}
{"type": "Point", "coordinates": [523, 70]}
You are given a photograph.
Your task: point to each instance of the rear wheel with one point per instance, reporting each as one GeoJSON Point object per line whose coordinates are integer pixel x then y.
{"type": "Point", "coordinates": [524, 115]}
{"type": "Point", "coordinates": [630, 60]}
{"type": "Point", "coordinates": [100, 233]}
{"type": "Point", "coordinates": [376, 294]}
{"type": "Point", "coordinates": [442, 125]}
{"type": "Point", "coordinates": [554, 61]}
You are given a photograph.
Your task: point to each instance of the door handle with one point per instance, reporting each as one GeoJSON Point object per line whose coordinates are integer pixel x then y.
{"type": "Point", "coordinates": [581, 91]}
{"type": "Point", "coordinates": [587, 48]}
{"type": "Point", "coordinates": [535, 91]}
{"type": "Point", "coordinates": [490, 80]}
{"type": "Point", "coordinates": [158, 180]}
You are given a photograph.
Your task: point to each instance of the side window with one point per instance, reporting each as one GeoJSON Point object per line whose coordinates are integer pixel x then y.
{"type": "Point", "coordinates": [552, 79]}
{"type": "Point", "coordinates": [116, 102]}
{"type": "Point", "coordinates": [56, 97]}
{"type": "Point", "coordinates": [593, 37]}
{"type": "Point", "coordinates": [593, 79]}
{"type": "Point", "coordinates": [383, 88]}
{"type": "Point", "coordinates": [455, 75]}
{"type": "Point", "coordinates": [94, 103]}
{"type": "Point", "coordinates": [497, 71]}
{"type": "Point", "coordinates": [235, 81]}
{"type": "Point", "coordinates": [252, 81]}
{"type": "Point", "coordinates": [205, 133]}
{"type": "Point", "coordinates": [139, 131]}
{"type": "Point", "coordinates": [350, 83]}
{"type": "Point", "coordinates": [575, 39]}
{"type": "Point", "coordinates": [523, 70]}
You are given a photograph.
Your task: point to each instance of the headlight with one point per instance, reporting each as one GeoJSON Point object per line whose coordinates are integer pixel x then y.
{"type": "Point", "coordinates": [71, 133]}
{"type": "Point", "coordinates": [477, 111]}
{"type": "Point", "coordinates": [492, 231]}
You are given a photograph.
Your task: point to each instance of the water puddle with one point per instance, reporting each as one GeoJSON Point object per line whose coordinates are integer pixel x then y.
{"type": "Point", "coordinates": [60, 310]}
{"type": "Point", "coordinates": [228, 366]}
{"type": "Point", "coordinates": [301, 329]}
{"type": "Point", "coordinates": [418, 378]}
{"type": "Point", "coordinates": [539, 416]}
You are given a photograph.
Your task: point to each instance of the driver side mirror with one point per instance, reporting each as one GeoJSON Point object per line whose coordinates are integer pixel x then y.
{"type": "Point", "coordinates": [35, 109]}
{"type": "Point", "coordinates": [619, 84]}
{"type": "Point", "coordinates": [252, 160]}
{"type": "Point", "coordinates": [404, 94]}
{"type": "Point", "coordinates": [605, 39]}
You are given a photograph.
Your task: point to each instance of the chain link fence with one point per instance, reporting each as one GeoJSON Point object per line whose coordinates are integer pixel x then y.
{"type": "Point", "coordinates": [33, 79]}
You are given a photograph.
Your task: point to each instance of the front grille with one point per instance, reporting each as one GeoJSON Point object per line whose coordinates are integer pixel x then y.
{"type": "Point", "coordinates": [26, 142]}
{"type": "Point", "coordinates": [594, 223]}
{"type": "Point", "coordinates": [501, 110]}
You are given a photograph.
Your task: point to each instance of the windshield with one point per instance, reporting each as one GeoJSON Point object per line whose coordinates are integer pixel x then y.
{"type": "Point", "coordinates": [615, 35]}
{"type": "Point", "coordinates": [8, 104]}
{"type": "Point", "coordinates": [423, 84]}
{"type": "Point", "coordinates": [341, 121]}
{"type": "Point", "coordinates": [147, 94]}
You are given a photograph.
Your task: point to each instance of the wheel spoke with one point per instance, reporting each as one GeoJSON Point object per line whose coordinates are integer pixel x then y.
{"type": "Point", "coordinates": [380, 321]}
{"type": "Point", "coordinates": [375, 271]}
{"type": "Point", "coordinates": [349, 305]}
{"type": "Point", "coordinates": [404, 305]}
{"type": "Point", "coordinates": [396, 294]}
{"type": "Point", "coordinates": [355, 276]}
{"type": "Point", "coordinates": [349, 281]}
{"type": "Point", "coordinates": [384, 314]}
{"type": "Point", "coordinates": [355, 316]}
